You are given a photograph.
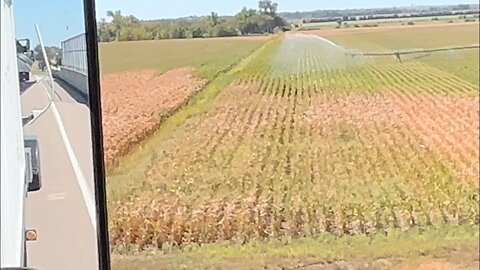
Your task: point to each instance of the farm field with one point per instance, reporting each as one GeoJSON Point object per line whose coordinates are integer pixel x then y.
{"type": "Point", "coordinates": [208, 56]}
{"type": "Point", "coordinates": [398, 37]}
{"type": "Point", "coordinates": [156, 97]}
{"type": "Point", "coordinates": [465, 63]}
{"type": "Point", "coordinates": [385, 22]}
{"type": "Point", "coordinates": [171, 73]}
{"type": "Point", "coordinates": [303, 142]}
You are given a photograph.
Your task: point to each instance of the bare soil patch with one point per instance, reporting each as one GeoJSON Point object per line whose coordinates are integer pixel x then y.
{"type": "Point", "coordinates": [134, 104]}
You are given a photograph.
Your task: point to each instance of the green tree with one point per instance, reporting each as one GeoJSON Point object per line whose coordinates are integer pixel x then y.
{"type": "Point", "coordinates": [176, 31]}
{"type": "Point", "coordinates": [106, 33]}
{"type": "Point", "coordinates": [268, 7]}
{"type": "Point", "coordinates": [54, 55]}
{"type": "Point", "coordinates": [245, 21]}
{"type": "Point", "coordinates": [214, 19]}
{"type": "Point", "coordinates": [117, 22]}
{"type": "Point", "coordinates": [245, 14]}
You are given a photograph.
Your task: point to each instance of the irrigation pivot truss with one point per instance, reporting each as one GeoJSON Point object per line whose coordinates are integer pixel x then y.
{"type": "Point", "coordinates": [398, 54]}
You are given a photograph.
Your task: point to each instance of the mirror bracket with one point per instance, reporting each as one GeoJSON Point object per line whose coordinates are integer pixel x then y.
{"type": "Point", "coordinates": [32, 159]}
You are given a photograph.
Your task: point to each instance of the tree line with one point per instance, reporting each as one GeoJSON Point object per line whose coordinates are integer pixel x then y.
{"type": "Point", "coordinates": [321, 14]}
{"type": "Point", "coordinates": [54, 55]}
{"type": "Point", "coordinates": [246, 22]}
{"type": "Point", "coordinates": [462, 15]}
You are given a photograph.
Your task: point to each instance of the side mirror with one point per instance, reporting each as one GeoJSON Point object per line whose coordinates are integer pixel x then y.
{"type": "Point", "coordinates": [23, 45]}
{"type": "Point", "coordinates": [32, 159]}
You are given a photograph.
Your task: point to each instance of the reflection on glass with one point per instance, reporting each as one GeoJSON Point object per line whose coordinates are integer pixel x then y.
{"type": "Point", "coordinates": [52, 62]}
{"type": "Point", "coordinates": [265, 138]}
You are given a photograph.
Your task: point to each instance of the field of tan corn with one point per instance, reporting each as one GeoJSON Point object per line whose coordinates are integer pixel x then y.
{"type": "Point", "coordinates": [304, 142]}
{"type": "Point", "coordinates": [139, 101]}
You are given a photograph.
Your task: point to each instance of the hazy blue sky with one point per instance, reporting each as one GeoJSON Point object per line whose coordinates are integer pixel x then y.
{"type": "Point", "coordinates": [61, 19]}
{"type": "Point", "coordinates": [57, 19]}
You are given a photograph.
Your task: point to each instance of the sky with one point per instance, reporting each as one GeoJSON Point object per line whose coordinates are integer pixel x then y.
{"type": "Point", "coordinates": [61, 19]}
{"type": "Point", "coordinates": [57, 19]}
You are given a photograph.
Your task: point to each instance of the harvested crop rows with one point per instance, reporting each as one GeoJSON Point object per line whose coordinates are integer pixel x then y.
{"type": "Point", "coordinates": [307, 141]}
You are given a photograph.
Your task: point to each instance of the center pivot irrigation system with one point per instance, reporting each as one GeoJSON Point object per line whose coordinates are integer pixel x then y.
{"type": "Point", "coordinates": [398, 54]}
